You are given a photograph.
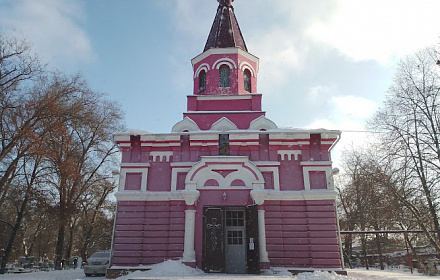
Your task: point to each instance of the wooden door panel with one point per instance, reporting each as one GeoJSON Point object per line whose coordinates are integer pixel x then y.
{"type": "Point", "coordinates": [213, 247]}
{"type": "Point", "coordinates": [253, 252]}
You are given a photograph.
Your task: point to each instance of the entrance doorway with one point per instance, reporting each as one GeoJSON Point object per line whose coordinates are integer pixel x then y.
{"type": "Point", "coordinates": [230, 240]}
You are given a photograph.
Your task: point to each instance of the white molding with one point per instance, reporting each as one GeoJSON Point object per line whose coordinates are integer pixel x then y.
{"type": "Point", "coordinates": [262, 122]}
{"type": "Point", "coordinates": [174, 173]}
{"type": "Point", "coordinates": [306, 175]}
{"type": "Point", "coordinates": [262, 195]}
{"type": "Point", "coordinates": [275, 172]}
{"type": "Point", "coordinates": [246, 65]}
{"type": "Point", "coordinates": [315, 163]}
{"type": "Point", "coordinates": [240, 166]}
{"type": "Point", "coordinates": [135, 164]}
{"type": "Point", "coordinates": [185, 124]}
{"type": "Point", "coordinates": [222, 97]}
{"type": "Point", "coordinates": [224, 124]}
{"type": "Point", "coordinates": [148, 196]}
{"type": "Point", "coordinates": [232, 50]}
{"type": "Point", "coordinates": [128, 168]}
{"type": "Point", "coordinates": [162, 155]}
{"type": "Point", "coordinates": [224, 61]}
{"type": "Point", "coordinates": [203, 66]}
{"type": "Point", "coordinates": [289, 154]}
{"type": "Point", "coordinates": [223, 112]}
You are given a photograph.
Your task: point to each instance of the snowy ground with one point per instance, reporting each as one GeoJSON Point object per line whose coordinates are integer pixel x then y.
{"type": "Point", "coordinates": [175, 270]}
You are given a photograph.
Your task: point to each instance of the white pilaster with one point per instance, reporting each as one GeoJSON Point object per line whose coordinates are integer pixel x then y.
{"type": "Point", "coordinates": [189, 254]}
{"type": "Point", "coordinates": [264, 257]}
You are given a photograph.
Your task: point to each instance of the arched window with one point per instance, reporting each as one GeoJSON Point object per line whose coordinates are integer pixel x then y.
{"type": "Point", "coordinates": [247, 80]}
{"type": "Point", "coordinates": [202, 81]}
{"type": "Point", "coordinates": [224, 76]}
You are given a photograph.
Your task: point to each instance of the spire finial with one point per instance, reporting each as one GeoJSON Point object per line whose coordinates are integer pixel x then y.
{"type": "Point", "coordinates": [225, 32]}
{"type": "Point", "coordinates": [225, 2]}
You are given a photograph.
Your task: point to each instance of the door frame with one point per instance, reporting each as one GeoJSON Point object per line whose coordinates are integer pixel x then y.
{"type": "Point", "coordinates": [213, 254]}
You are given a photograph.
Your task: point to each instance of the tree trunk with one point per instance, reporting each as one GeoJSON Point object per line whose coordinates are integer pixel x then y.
{"type": "Point", "coordinates": [15, 230]}
{"type": "Point", "coordinates": [379, 251]}
{"type": "Point", "coordinates": [364, 251]}
{"type": "Point", "coordinates": [60, 245]}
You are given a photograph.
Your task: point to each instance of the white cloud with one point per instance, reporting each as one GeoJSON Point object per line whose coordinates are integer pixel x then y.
{"type": "Point", "coordinates": [53, 28]}
{"type": "Point", "coordinates": [378, 29]}
{"type": "Point", "coordinates": [348, 114]}
{"type": "Point", "coordinates": [353, 107]}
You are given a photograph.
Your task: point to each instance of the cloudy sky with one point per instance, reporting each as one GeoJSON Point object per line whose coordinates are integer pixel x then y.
{"type": "Point", "coordinates": [323, 63]}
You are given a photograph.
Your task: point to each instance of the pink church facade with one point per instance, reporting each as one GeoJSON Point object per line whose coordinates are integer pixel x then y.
{"type": "Point", "coordinates": [226, 190]}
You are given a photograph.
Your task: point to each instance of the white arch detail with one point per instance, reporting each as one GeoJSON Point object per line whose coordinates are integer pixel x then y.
{"type": "Point", "coordinates": [245, 65]}
{"type": "Point", "coordinates": [239, 167]}
{"type": "Point", "coordinates": [203, 66]}
{"type": "Point", "coordinates": [262, 123]}
{"type": "Point", "coordinates": [186, 124]}
{"type": "Point", "coordinates": [223, 124]}
{"type": "Point", "coordinates": [226, 61]}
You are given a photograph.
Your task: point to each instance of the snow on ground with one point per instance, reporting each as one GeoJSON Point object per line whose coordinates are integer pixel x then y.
{"type": "Point", "coordinates": [173, 270]}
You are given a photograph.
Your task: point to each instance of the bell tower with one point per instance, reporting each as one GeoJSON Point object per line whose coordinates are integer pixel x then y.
{"type": "Point", "coordinates": [225, 67]}
{"type": "Point", "coordinates": [225, 79]}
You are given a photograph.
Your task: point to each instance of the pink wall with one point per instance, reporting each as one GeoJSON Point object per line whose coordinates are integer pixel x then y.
{"type": "Point", "coordinates": [148, 232]}
{"type": "Point", "coordinates": [302, 234]}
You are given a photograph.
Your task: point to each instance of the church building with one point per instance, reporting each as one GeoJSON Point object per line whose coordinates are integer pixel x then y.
{"type": "Point", "coordinates": [227, 190]}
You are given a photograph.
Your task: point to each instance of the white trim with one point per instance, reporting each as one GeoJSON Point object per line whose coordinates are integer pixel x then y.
{"type": "Point", "coordinates": [261, 195]}
{"type": "Point", "coordinates": [223, 112]}
{"type": "Point", "coordinates": [174, 171]}
{"type": "Point", "coordinates": [262, 122]}
{"type": "Point", "coordinates": [167, 144]}
{"type": "Point", "coordinates": [124, 144]}
{"type": "Point", "coordinates": [163, 156]}
{"type": "Point", "coordinates": [275, 172]}
{"type": "Point", "coordinates": [185, 124]}
{"type": "Point", "coordinates": [246, 65]}
{"type": "Point", "coordinates": [221, 97]}
{"type": "Point", "coordinates": [222, 61]}
{"type": "Point", "coordinates": [148, 196]}
{"type": "Point", "coordinates": [203, 66]}
{"type": "Point", "coordinates": [307, 169]}
{"type": "Point", "coordinates": [255, 194]}
{"type": "Point", "coordinates": [125, 170]}
{"type": "Point", "coordinates": [232, 50]}
{"type": "Point", "coordinates": [289, 154]}
{"type": "Point", "coordinates": [315, 163]}
{"type": "Point", "coordinates": [244, 143]}
{"type": "Point", "coordinates": [240, 166]}
{"type": "Point", "coordinates": [224, 124]}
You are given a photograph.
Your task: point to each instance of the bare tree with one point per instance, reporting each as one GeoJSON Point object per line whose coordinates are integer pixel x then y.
{"type": "Point", "coordinates": [410, 122]}
{"type": "Point", "coordinates": [56, 150]}
{"type": "Point", "coordinates": [80, 150]}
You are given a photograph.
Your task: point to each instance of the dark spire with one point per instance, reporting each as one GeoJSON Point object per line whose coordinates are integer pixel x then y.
{"type": "Point", "coordinates": [225, 32]}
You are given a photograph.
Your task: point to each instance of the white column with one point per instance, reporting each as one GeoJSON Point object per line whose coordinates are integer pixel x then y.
{"type": "Point", "coordinates": [189, 254]}
{"type": "Point", "coordinates": [264, 257]}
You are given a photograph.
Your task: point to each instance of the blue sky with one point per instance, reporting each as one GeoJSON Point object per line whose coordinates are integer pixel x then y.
{"type": "Point", "coordinates": [323, 63]}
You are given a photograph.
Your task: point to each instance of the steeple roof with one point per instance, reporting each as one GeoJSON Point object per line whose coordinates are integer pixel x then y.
{"type": "Point", "coordinates": [225, 32]}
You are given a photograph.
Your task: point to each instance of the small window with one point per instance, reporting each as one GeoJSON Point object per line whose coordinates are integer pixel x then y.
{"type": "Point", "coordinates": [247, 80]}
{"type": "Point", "coordinates": [224, 76]}
{"type": "Point", "coordinates": [202, 81]}
{"type": "Point", "coordinates": [223, 145]}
